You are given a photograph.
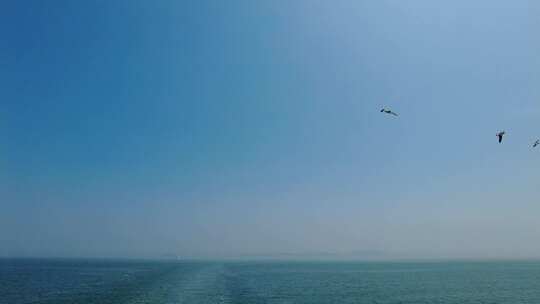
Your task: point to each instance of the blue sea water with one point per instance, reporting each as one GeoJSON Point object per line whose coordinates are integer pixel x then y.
{"type": "Point", "coordinates": [106, 281]}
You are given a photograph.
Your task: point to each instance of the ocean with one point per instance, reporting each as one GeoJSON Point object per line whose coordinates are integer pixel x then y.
{"type": "Point", "coordinates": [74, 281]}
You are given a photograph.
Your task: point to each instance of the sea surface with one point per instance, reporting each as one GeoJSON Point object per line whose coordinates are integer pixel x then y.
{"type": "Point", "coordinates": [109, 281]}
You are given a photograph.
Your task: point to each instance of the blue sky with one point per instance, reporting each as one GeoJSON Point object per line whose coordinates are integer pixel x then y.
{"type": "Point", "coordinates": [212, 128]}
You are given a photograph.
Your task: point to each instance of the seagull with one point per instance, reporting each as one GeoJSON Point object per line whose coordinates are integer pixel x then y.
{"type": "Point", "coordinates": [500, 135]}
{"type": "Point", "coordinates": [536, 143]}
{"type": "Point", "coordinates": [387, 111]}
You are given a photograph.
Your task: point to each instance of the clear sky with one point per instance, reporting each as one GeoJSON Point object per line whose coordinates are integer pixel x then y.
{"type": "Point", "coordinates": [233, 128]}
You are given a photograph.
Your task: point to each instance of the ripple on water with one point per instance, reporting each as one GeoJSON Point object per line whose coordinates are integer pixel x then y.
{"type": "Point", "coordinates": [103, 282]}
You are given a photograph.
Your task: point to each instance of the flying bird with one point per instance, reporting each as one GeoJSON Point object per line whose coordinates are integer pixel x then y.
{"type": "Point", "coordinates": [500, 136]}
{"type": "Point", "coordinates": [536, 143]}
{"type": "Point", "coordinates": [387, 111]}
